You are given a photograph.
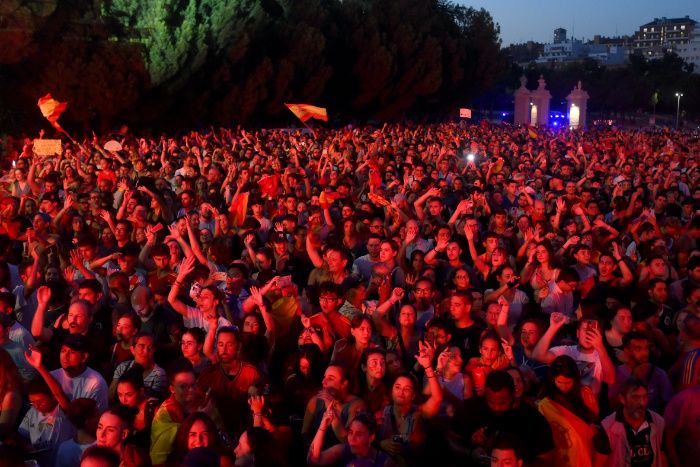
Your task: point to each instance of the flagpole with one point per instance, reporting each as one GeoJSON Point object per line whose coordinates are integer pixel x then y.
{"type": "Point", "coordinates": [310, 129]}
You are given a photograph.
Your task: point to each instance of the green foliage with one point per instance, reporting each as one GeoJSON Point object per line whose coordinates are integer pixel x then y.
{"type": "Point", "coordinates": [240, 60]}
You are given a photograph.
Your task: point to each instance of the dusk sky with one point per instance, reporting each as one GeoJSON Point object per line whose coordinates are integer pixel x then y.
{"type": "Point", "coordinates": [521, 20]}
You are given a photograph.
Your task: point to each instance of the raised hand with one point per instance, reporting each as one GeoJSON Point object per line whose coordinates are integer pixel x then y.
{"type": "Point", "coordinates": [186, 266]}
{"type": "Point", "coordinates": [256, 403]}
{"type": "Point", "coordinates": [560, 205]}
{"type": "Point", "coordinates": [397, 294]}
{"type": "Point", "coordinates": [557, 319]}
{"type": "Point", "coordinates": [410, 279]}
{"type": "Point", "coordinates": [69, 273]}
{"type": "Point", "coordinates": [257, 296]}
{"type": "Point", "coordinates": [43, 295]}
{"type": "Point", "coordinates": [105, 215]}
{"type": "Point", "coordinates": [507, 349]}
{"type": "Point", "coordinates": [173, 232]}
{"type": "Point", "coordinates": [426, 352]}
{"type": "Point", "coordinates": [33, 357]}
{"type": "Point", "coordinates": [68, 202]}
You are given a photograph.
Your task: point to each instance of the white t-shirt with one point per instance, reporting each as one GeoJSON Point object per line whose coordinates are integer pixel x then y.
{"type": "Point", "coordinates": [195, 319]}
{"type": "Point", "coordinates": [589, 365]}
{"type": "Point", "coordinates": [46, 432]}
{"type": "Point", "coordinates": [89, 384]}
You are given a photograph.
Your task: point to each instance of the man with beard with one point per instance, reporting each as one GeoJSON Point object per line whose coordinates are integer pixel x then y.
{"type": "Point", "coordinates": [75, 322]}
{"type": "Point", "coordinates": [636, 434]}
{"type": "Point", "coordinates": [74, 378]}
{"type": "Point", "coordinates": [362, 266]}
{"type": "Point", "coordinates": [658, 386]}
{"type": "Point", "coordinates": [230, 380]}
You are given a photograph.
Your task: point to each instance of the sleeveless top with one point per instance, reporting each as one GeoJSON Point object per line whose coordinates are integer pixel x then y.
{"type": "Point", "coordinates": [455, 385]}
{"type": "Point", "coordinates": [390, 427]}
{"type": "Point", "coordinates": [330, 439]}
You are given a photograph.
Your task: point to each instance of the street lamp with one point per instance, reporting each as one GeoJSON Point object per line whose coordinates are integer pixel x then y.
{"type": "Point", "coordinates": [678, 107]}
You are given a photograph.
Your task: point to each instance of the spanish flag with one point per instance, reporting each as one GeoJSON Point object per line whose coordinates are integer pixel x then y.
{"type": "Point", "coordinates": [239, 207]}
{"type": "Point", "coordinates": [269, 185]}
{"type": "Point", "coordinates": [52, 109]}
{"type": "Point", "coordinates": [306, 112]}
{"type": "Point", "coordinates": [532, 131]}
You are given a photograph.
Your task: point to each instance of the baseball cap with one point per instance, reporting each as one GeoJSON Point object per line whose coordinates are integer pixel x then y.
{"type": "Point", "coordinates": [76, 342]}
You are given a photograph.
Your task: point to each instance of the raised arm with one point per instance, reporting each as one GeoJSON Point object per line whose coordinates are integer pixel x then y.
{"type": "Point", "coordinates": [541, 351]}
{"type": "Point", "coordinates": [431, 407]}
{"type": "Point", "coordinates": [420, 202]}
{"type": "Point", "coordinates": [313, 253]}
{"type": "Point", "coordinates": [194, 243]}
{"type": "Point", "coordinates": [39, 331]}
{"type": "Point", "coordinates": [33, 357]}
{"type": "Point", "coordinates": [186, 267]}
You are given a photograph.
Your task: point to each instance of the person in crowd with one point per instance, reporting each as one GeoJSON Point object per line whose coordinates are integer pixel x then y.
{"type": "Point", "coordinates": [196, 431]}
{"type": "Point", "coordinates": [84, 416]}
{"type": "Point", "coordinates": [143, 351]}
{"type": "Point", "coordinates": [45, 426]}
{"type": "Point", "coordinates": [478, 420]}
{"type": "Point", "coordinates": [172, 412]}
{"type": "Point", "coordinates": [571, 409]}
{"type": "Point", "coordinates": [402, 427]}
{"type": "Point", "coordinates": [342, 255]}
{"type": "Point", "coordinates": [113, 432]}
{"type": "Point", "coordinates": [636, 346]}
{"type": "Point", "coordinates": [636, 434]}
{"type": "Point", "coordinates": [131, 392]}
{"type": "Point", "coordinates": [589, 353]}
{"type": "Point", "coordinates": [74, 378]}
{"type": "Point", "coordinates": [362, 432]}
{"type": "Point", "coordinates": [192, 345]}
{"type": "Point", "coordinates": [335, 394]}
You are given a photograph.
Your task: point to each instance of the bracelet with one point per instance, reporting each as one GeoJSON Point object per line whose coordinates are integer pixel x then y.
{"type": "Point", "coordinates": [177, 283]}
{"type": "Point", "coordinates": [257, 414]}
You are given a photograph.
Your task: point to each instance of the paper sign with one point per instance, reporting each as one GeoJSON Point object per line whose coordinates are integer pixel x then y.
{"type": "Point", "coordinates": [465, 113]}
{"type": "Point", "coordinates": [47, 147]}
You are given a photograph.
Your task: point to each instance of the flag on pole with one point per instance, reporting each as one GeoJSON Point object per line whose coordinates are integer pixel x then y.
{"type": "Point", "coordinates": [532, 132]}
{"type": "Point", "coordinates": [52, 109]}
{"type": "Point", "coordinates": [269, 185]}
{"type": "Point", "coordinates": [305, 112]}
{"type": "Point", "coordinates": [239, 207]}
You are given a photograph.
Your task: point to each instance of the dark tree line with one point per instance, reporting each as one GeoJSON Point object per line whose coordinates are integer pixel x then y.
{"type": "Point", "coordinates": [179, 63]}
{"type": "Point", "coordinates": [183, 62]}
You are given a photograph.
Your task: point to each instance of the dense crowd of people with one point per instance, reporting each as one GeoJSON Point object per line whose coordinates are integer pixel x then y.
{"type": "Point", "coordinates": [406, 295]}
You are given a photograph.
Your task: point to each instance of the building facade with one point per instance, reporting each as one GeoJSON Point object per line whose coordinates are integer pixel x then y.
{"type": "Point", "coordinates": [663, 35]}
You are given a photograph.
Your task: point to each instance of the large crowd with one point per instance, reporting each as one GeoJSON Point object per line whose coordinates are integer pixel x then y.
{"type": "Point", "coordinates": [404, 295]}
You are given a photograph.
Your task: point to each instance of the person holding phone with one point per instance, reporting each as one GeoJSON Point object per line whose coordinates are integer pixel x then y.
{"type": "Point", "coordinates": [589, 353]}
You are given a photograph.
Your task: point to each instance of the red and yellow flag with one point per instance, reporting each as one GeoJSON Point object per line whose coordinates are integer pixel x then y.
{"type": "Point", "coordinates": [239, 207]}
{"type": "Point", "coordinates": [306, 112]}
{"type": "Point", "coordinates": [269, 185]}
{"type": "Point", "coordinates": [52, 109]}
{"type": "Point", "coordinates": [532, 131]}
